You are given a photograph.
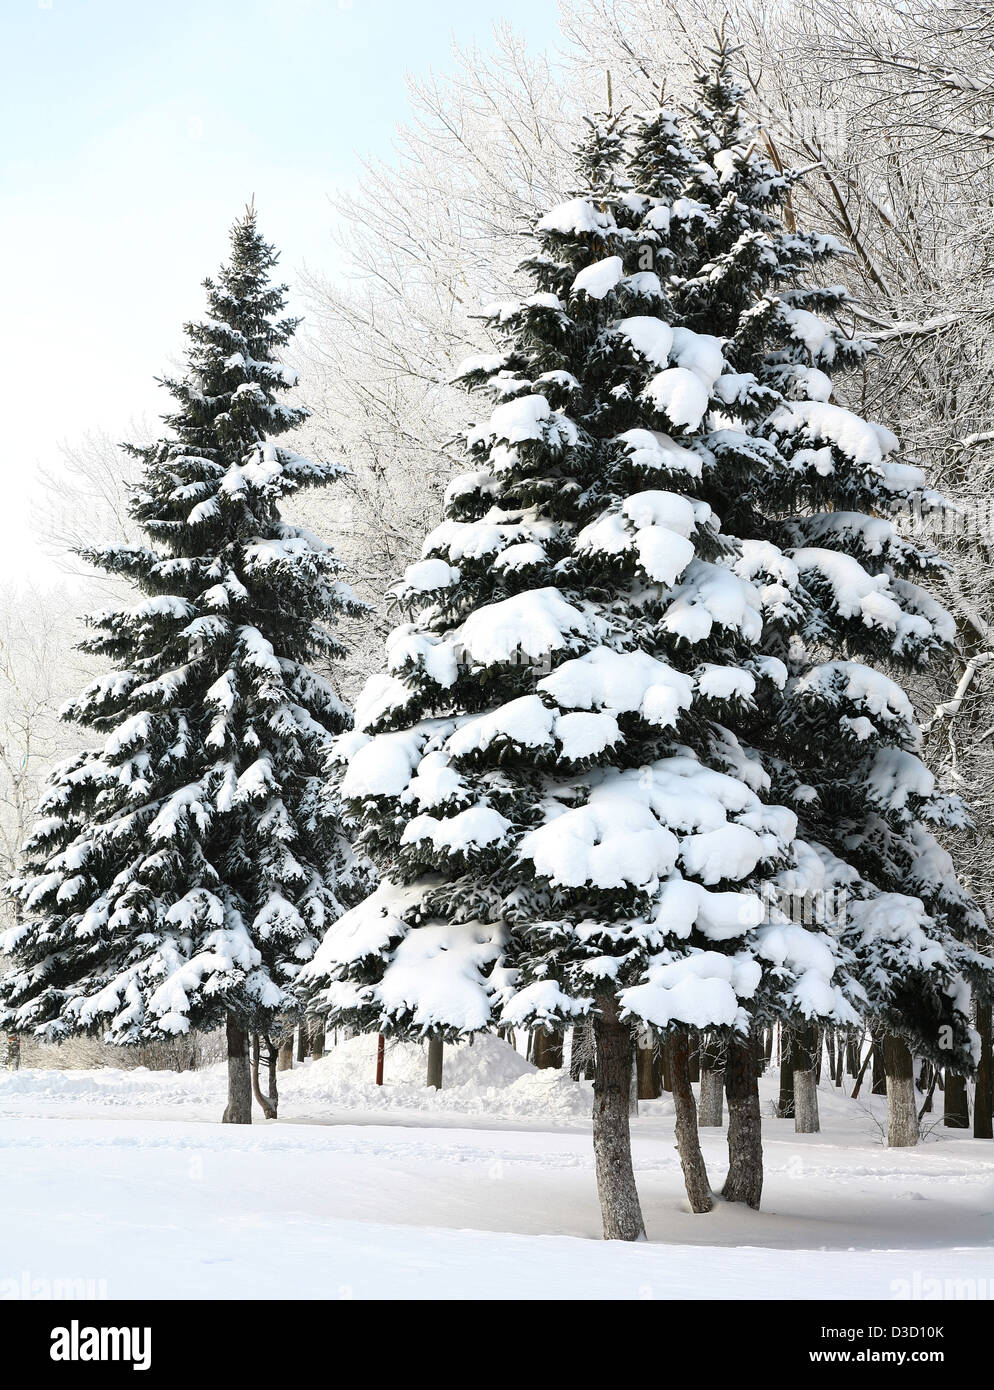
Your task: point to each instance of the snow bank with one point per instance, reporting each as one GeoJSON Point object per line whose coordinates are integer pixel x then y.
{"type": "Point", "coordinates": [487, 1078]}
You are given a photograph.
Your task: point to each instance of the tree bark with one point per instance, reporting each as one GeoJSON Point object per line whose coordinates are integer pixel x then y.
{"type": "Point", "coordinates": [712, 1082]}
{"type": "Point", "coordinates": [286, 1054]}
{"type": "Point", "coordinates": [620, 1209]}
{"type": "Point", "coordinates": [695, 1173]}
{"type": "Point", "coordinates": [648, 1078]}
{"type": "Point", "coordinates": [266, 1103]}
{"type": "Point", "coordinates": [879, 1064]}
{"type": "Point", "coordinates": [317, 1038]}
{"type": "Point", "coordinates": [806, 1120]}
{"type": "Point", "coordinates": [744, 1182]}
{"type": "Point", "coordinates": [239, 1108]}
{"type": "Point", "coordinates": [902, 1109]}
{"type": "Point", "coordinates": [712, 1099]}
{"type": "Point", "coordinates": [853, 1049]}
{"type": "Point", "coordinates": [581, 1051]}
{"type": "Point", "coordinates": [666, 1069]}
{"type": "Point", "coordinates": [435, 1057]}
{"type": "Point", "coordinates": [695, 1058]}
{"type": "Point", "coordinates": [926, 1084]}
{"type": "Point", "coordinates": [955, 1105]}
{"type": "Point", "coordinates": [302, 1041]}
{"type": "Point", "coordinates": [547, 1048]}
{"type": "Point", "coordinates": [788, 1060]}
{"type": "Point", "coordinates": [983, 1101]}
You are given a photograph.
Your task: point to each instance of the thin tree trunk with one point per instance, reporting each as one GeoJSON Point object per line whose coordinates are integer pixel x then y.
{"type": "Point", "coordinates": [239, 1108]}
{"type": "Point", "coordinates": [581, 1051]}
{"type": "Point", "coordinates": [547, 1048]}
{"type": "Point", "coordinates": [860, 1074]}
{"type": "Point", "coordinates": [302, 1041]}
{"type": "Point", "coordinates": [695, 1173]}
{"type": "Point", "coordinates": [712, 1082]}
{"type": "Point", "coordinates": [956, 1106]}
{"type": "Point", "coordinates": [435, 1057]}
{"type": "Point", "coordinates": [879, 1055]}
{"type": "Point", "coordinates": [620, 1209]}
{"type": "Point", "coordinates": [265, 1104]}
{"type": "Point", "coordinates": [853, 1049]}
{"type": "Point", "coordinates": [806, 1120]}
{"type": "Point", "coordinates": [926, 1084]}
{"type": "Point", "coordinates": [666, 1069]}
{"type": "Point", "coordinates": [902, 1108]}
{"type": "Point", "coordinates": [927, 1102]}
{"type": "Point", "coordinates": [744, 1182]}
{"type": "Point", "coordinates": [317, 1038]}
{"type": "Point", "coordinates": [788, 1065]}
{"type": "Point", "coordinates": [983, 1100]}
{"type": "Point", "coordinates": [695, 1058]}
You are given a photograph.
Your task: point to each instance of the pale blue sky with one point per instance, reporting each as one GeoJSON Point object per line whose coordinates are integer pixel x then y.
{"type": "Point", "coordinates": [133, 132]}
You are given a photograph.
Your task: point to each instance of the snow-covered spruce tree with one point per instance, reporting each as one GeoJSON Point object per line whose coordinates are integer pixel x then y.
{"type": "Point", "coordinates": [814, 492]}
{"type": "Point", "coordinates": [547, 776]}
{"type": "Point", "coordinates": [183, 869]}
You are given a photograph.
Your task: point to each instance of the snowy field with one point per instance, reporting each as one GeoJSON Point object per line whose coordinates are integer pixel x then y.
{"type": "Point", "coordinates": [126, 1179]}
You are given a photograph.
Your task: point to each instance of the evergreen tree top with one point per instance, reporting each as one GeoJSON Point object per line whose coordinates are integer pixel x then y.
{"type": "Point", "coordinates": [184, 868]}
{"type": "Point", "coordinates": [596, 762]}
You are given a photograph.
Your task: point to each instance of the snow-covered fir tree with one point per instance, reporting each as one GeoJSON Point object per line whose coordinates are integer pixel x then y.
{"type": "Point", "coordinates": [548, 776]}
{"type": "Point", "coordinates": [184, 868]}
{"type": "Point", "coordinates": [816, 493]}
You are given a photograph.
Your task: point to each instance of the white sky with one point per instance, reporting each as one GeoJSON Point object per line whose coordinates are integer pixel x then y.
{"type": "Point", "coordinates": [135, 132]}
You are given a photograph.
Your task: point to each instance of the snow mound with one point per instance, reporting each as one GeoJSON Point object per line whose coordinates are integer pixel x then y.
{"type": "Point", "coordinates": [487, 1078]}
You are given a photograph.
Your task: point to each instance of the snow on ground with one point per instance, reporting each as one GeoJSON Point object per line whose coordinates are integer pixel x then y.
{"type": "Point", "coordinates": [486, 1189]}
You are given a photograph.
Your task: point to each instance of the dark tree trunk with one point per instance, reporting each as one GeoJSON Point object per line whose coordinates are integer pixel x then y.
{"type": "Point", "coordinates": [853, 1049]}
{"type": "Point", "coordinates": [547, 1049]}
{"type": "Point", "coordinates": [956, 1106]}
{"type": "Point", "coordinates": [788, 1065]}
{"type": "Point", "coordinates": [435, 1057]}
{"type": "Point", "coordinates": [926, 1084]}
{"type": "Point", "coordinates": [620, 1209]}
{"type": "Point", "coordinates": [647, 1071]}
{"type": "Point", "coordinates": [239, 1108]}
{"type": "Point", "coordinates": [581, 1051]}
{"type": "Point", "coordinates": [806, 1120]}
{"type": "Point", "coordinates": [695, 1173]}
{"type": "Point", "coordinates": [267, 1103]}
{"type": "Point", "coordinates": [317, 1038]}
{"type": "Point", "coordinates": [902, 1108]}
{"type": "Point", "coordinates": [302, 1041]}
{"type": "Point", "coordinates": [695, 1058]}
{"type": "Point", "coordinates": [666, 1070]}
{"type": "Point", "coordinates": [286, 1054]}
{"type": "Point", "coordinates": [983, 1101]}
{"type": "Point", "coordinates": [861, 1073]}
{"type": "Point", "coordinates": [879, 1064]}
{"type": "Point", "coordinates": [744, 1182]}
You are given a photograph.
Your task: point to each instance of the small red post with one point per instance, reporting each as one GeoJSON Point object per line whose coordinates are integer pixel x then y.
{"type": "Point", "coordinates": [380, 1049]}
